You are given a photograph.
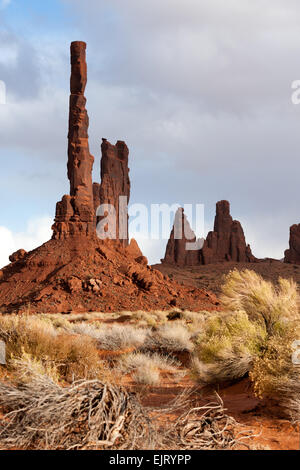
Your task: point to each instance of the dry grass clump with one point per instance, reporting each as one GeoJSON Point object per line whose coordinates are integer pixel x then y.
{"type": "Point", "coordinates": [275, 376]}
{"type": "Point", "coordinates": [228, 369]}
{"type": "Point", "coordinates": [256, 335]}
{"type": "Point", "coordinates": [133, 361]}
{"type": "Point", "coordinates": [276, 308]}
{"type": "Point", "coordinates": [76, 356]}
{"type": "Point", "coordinates": [113, 337]}
{"type": "Point", "coordinates": [40, 414]}
{"type": "Point", "coordinates": [147, 375]}
{"type": "Point", "coordinates": [146, 367]}
{"type": "Point", "coordinates": [226, 348]}
{"type": "Point", "coordinates": [246, 291]}
{"type": "Point", "coordinates": [171, 337]}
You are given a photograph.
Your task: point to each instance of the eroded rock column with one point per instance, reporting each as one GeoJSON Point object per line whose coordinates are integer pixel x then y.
{"type": "Point", "coordinates": [75, 213]}
{"type": "Point", "coordinates": [115, 184]}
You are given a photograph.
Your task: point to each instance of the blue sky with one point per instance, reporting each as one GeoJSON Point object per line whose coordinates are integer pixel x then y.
{"type": "Point", "coordinates": [199, 90]}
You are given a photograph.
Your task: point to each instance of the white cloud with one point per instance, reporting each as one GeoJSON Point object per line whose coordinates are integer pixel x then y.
{"type": "Point", "coordinates": [200, 91]}
{"type": "Point", "coordinates": [37, 232]}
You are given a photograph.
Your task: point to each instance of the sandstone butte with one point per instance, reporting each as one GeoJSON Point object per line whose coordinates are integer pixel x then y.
{"type": "Point", "coordinates": [225, 243]}
{"type": "Point", "coordinates": [76, 271]}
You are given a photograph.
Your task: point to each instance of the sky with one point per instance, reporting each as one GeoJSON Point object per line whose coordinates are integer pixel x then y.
{"type": "Point", "coordinates": [200, 90]}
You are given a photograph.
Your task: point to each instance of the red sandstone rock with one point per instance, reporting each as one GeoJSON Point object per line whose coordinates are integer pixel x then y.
{"type": "Point", "coordinates": [74, 284]}
{"type": "Point", "coordinates": [76, 271]}
{"type": "Point", "coordinates": [18, 255]}
{"type": "Point", "coordinates": [115, 182]}
{"type": "Point", "coordinates": [75, 213]}
{"type": "Point", "coordinates": [133, 250]}
{"type": "Point", "coordinates": [293, 254]}
{"type": "Point", "coordinates": [225, 243]}
{"type": "Point", "coordinates": [181, 235]}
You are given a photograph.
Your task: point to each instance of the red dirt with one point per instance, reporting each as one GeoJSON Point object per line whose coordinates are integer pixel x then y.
{"type": "Point", "coordinates": [270, 430]}
{"type": "Point", "coordinates": [210, 277]}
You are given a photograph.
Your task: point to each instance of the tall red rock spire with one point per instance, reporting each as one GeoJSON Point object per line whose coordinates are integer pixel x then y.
{"type": "Point", "coordinates": [75, 212]}
{"type": "Point", "coordinates": [115, 182]}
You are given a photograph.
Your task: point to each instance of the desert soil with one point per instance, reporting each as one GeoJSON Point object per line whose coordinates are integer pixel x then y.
{"type": "Point", "coordinates": [211, 277]}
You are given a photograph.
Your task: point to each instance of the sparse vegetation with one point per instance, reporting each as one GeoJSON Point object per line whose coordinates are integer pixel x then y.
{"type": "Point", "coordinates": [41, 414]}
{"type": "Point", "coordinates": [246, 291]}
{"type": "Point", "coordinates": [60, 370]}
{"type": "Point", "coordinates": [226, 348]}
{"type": "Point", "coordinates": [75, 356]}
{"type": "Point", "coordinates": [113, 337]}
{"type": "Point", "coordinates": [255, 337]}
{"type": "Point", "coordinates": [146, 367]}
{"type": "Point", "coordinates": [171, 337]}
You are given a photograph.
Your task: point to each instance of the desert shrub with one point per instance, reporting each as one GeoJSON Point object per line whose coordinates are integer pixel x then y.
{"type": "Point", "coordinates": [171, 337]}
{"type": "Point", "coordinates": [231, 367]}
{"type": "Point", "coordinates": [74, 355]}
{"type": "Point", "coordinates": [248, 292]}
{"type": "Point", "coordinates": [41, 414]}
{"type": "Point", "coordinates": [113, 337]}
{"type": "Point", "coordinates": [150, 319]}
{"type": "Point", "coordinates": [146, 367]}
{"type": "Point", "coordinates": [147, 375]}
{"type": "Point", "coordinates": [230, 335]}
{"type": "Point", "coordinates": [275, 376]}
{"type": "Point", "coordinates": [133, 361]}
{"type": "Point", "coordinates": [256, 337]}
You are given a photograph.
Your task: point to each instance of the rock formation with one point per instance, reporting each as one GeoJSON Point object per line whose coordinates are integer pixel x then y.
{"type": "Point", "coordinates": [75, 270]}
{"type": "Point", "coordinates": [292, 255]}
{"type": "Point", "coordinates": [17, 255]}
{"type": "Point", "coordinates": [114, 192]}
{"type": "Point", "coordinates": [181, 234]}
{"type": "Point", "coordinates": [75, 212]}
{"type": "Point", "coordinates": [225, 243]}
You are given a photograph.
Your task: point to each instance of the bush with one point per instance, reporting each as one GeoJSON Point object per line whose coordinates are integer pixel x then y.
{"type": "Point", "coordinates": [113, 337]}
{"type": "Point", "coordinates": [171, 337]}
{"type": "Point", "coordinates": [74, 355]}
{"type": "Point", "coordinates": [254, 335]}
{"type": "Point", "coordinates": [275, 376]}
{"type": "Point", "coordinates": [271, 305]}
{"type": "Point", "coordinates": [226, 348]}
{"type": "Point", "coordinates": [147, 375]}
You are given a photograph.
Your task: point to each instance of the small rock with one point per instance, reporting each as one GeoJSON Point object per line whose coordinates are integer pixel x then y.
{"type": "Point", "coordinates": [17, 256]}
{"type": "Point", "coordinates": [74, 284]}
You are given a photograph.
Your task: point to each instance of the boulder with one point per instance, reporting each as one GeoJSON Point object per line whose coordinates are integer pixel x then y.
{"type": "Point", "coordinates": [292, 255]}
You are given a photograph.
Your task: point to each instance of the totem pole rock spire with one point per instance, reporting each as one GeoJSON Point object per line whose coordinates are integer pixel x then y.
{"type": "Point", "coordinates": [75, 213]}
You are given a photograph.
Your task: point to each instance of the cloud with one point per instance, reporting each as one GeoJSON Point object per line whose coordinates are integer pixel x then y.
{"type": "Point", "coordinates": [200, 91]}
{"type": "Point", "coordinates": [38, 231]}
